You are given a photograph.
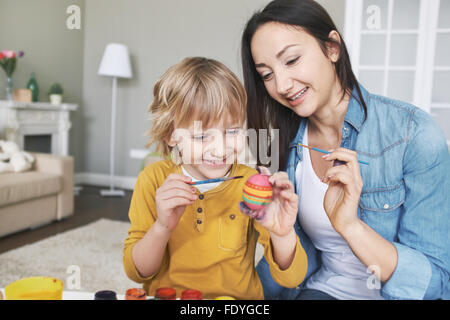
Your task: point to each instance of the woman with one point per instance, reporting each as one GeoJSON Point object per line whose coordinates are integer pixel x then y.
{"type": "Point", "coordinates": [370, 231]}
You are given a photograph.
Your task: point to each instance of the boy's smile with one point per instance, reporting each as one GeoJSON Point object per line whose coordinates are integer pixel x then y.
{"type": "Point", "coordinates": [210, 168]}
{"type": "Point", "coordinates": [210, 153]}
{"type": "Point", "coordinates": [206, 170]}
{"type": "Point", "coordinates": [215, 163]}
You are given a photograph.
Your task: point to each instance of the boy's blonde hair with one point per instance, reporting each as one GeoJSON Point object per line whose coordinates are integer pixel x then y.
{"type": "Point", "coordinates": [196, 89]}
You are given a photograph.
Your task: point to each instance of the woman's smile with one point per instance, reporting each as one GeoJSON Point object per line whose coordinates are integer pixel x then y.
{"type": "Point", "coordinates": [299, 97]}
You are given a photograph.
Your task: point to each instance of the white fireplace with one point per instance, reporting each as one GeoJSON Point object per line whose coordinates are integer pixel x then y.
{"type": "Point", "coordinates": [22, 122]}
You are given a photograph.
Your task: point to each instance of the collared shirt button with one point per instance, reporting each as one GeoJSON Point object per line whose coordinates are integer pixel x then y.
{"type": "Point", "coordinates": [201, 197]}
{"type": "Point", "coordinates": [199, 221]}
{"type": "Point", "coordinates": [232, 216]}
{"type": "Point", "coordinates": [386, 206]}
{"type": "Point", "coordinates": [199, 210]}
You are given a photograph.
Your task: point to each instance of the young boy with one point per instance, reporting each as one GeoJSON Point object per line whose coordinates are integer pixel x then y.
{"type": "Point", "coordinates": [188, 237]}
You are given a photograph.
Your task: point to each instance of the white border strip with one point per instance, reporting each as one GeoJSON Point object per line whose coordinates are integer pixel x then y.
{"type": "Point", "coordinates": [389, 68]}
{"type": "Point", "coordinates": [385, 31]}
{"type": "Point", "coordinates": [387, 51]}
{"type": "Point", "coordinates": [352, 31]}
{"type": "Point", "coordinates": [440, 105]}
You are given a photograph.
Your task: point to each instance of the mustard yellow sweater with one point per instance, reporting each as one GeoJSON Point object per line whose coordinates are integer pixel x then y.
{"type": "Point", "coordinates": [212, 249]}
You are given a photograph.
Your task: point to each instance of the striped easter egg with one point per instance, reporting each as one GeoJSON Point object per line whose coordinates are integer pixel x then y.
{"type": "Point", "coordinates": [257, 192]}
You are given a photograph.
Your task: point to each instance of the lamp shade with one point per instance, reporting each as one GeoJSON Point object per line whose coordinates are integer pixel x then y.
{"type": "Point", "coordinates": [116, 61]}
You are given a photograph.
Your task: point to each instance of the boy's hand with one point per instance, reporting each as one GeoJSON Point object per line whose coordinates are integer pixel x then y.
{"type": "Point", "coordinates": [171, 200]}
{"type": "Point", "coordinates": [279, 216]}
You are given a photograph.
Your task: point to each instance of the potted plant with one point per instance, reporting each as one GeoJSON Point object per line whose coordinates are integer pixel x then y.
{"type": "Point", "coordinates": [55, 93]}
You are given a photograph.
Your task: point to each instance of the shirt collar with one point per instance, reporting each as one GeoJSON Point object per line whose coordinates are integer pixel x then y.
{"type": "Point", "coordinates": [222, 185]}
{"type": "Point", "coordinates": [355, 111]}
{"type": "Point", "coordinates": [354, 117]}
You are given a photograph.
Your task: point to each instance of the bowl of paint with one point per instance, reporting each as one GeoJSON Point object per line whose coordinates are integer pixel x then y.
{"type": "Point", "coordinates": [191, 294]}
{"type": "Point", "coordinates": [224, 298]}
{"type": "Point", "coordinates": [105, 295]}
{"type": "Point", "coordinates": [135, 294]}
{"type": "Point", "coordinates": [35, 288]}
{"type": "Point", "coordinates": [165, 294]}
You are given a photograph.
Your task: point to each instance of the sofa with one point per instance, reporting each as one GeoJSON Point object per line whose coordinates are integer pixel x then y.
{"type": "Point", "coordinates": [39, 196]}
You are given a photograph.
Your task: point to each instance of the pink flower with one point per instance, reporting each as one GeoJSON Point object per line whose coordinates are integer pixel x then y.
{"type": "Point", "coordinates": [9, 54]}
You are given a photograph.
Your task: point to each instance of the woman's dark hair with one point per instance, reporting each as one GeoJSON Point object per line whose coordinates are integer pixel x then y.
{"type": "Point", "coordinates": [263, 112]}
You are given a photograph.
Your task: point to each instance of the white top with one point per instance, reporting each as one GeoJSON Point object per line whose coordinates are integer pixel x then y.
{"type": "Point", "coordinates": [342, 274]}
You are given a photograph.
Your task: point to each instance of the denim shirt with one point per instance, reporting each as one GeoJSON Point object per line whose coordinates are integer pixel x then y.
{"type": "Point", "coordinates": [405, 197]}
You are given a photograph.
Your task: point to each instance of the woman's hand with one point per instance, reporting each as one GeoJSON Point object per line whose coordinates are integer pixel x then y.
{"type": "Point", "coordinates": [171, 200]}
{"type": "Point", "coordinates": [344, 189]}
{"type": "Point", "coordinates": [279, 216]}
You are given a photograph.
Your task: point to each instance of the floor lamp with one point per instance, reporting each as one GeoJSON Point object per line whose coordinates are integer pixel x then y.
{"type": "Point", "coordinates": [116, 64]}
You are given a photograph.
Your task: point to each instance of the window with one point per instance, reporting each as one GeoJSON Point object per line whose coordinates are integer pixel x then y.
{"type": "Point", "coordinates": [401, 49]}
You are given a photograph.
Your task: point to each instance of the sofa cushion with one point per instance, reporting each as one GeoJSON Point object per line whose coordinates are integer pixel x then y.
{"type": "Point", "coordinates": [17, 187]}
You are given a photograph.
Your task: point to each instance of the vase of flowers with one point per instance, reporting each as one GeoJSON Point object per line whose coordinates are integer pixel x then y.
{"type": "Point", "coordinates": [9, 88]}
{"type": "Point", "coordinates": [8, 60]}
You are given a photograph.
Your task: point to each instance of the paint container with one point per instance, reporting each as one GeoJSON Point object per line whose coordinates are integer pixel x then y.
{"type": "Point", "coordinates": [35, 288]}
{"type": "Point", "coordinates": [135, 294]}
{"type": "Point", "coordinates": [191, 294]}
{"type": "Point", "coordinates": [224, 298]}
{"type": "Point", "coordinates": [105, 295]}
{"type": "Point", "coordinates": [165, 294]}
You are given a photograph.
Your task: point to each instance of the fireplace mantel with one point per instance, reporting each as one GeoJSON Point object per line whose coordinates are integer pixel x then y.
{"type": "Point", "coordinates": [21, 119]}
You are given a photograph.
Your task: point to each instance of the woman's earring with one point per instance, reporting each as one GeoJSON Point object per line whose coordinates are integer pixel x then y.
{"type": "Point", "coordinates": [176, 156]}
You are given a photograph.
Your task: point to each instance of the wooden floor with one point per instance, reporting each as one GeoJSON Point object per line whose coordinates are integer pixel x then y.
{"type": "Point", "coordinates": [89, 206]}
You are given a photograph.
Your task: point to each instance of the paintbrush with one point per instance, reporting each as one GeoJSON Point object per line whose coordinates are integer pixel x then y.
{"type": "Point", "coordinates": [214, 180]}
{"type": "Point", "coordinates": [326, 152]}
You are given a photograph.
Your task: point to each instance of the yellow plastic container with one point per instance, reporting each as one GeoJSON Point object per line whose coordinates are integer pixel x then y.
{"type": "Point", "coordinates": [224, 298]}
{"type": "Point", "coordinates": [35, 288]}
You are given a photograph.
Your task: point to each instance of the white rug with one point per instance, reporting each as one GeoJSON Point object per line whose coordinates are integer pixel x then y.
{"type": "Point", "coordinates": [88, 258]}
{"type": "Point", "coordinates": [95, 250]}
